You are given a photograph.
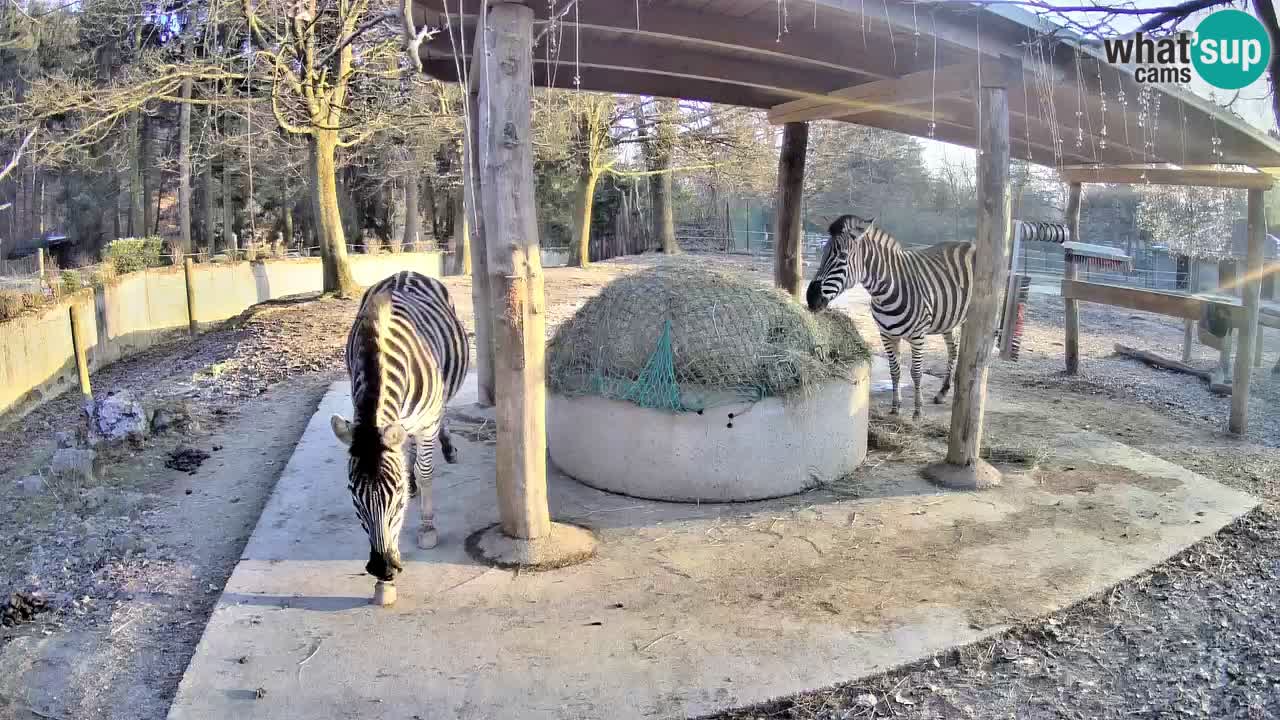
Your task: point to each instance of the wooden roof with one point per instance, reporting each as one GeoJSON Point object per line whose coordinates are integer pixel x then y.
{"type": "Point", "coordinates": [806, 60]}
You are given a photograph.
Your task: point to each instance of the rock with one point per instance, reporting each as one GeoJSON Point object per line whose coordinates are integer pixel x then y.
{"type": "Point", "coordinates": [31, 485]}
{"type": "Point", "coordinates": [172, 416]}
{"type": "Point", "coordinates": [75, 463]}
{"type": "Point", "coordinates": [116, 416]}
{"type": "Point", "coordinates": [65, 439]}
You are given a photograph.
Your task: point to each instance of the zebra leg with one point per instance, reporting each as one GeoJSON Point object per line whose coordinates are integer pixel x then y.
{"type": "Point", "coordinates": [917, 372]}
{"type": "Point", "coordinates": [891, 351]}
{"type": "Point", "coordinates": [446, 445]}
{"type": "Point", "coordinates": [422, 468]}
{"type": "Point", "coordinates": [950, 338]}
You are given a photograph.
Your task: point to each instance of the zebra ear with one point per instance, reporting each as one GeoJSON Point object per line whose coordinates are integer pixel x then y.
{"type": "Point", "coordinates": [393, 436]}
{"type": "Point", "coordinates": [341, 428]}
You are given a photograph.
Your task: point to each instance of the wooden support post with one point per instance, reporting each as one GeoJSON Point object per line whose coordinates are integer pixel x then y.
{"type": "Point", "coordinates": [515, 270]}
{"type": "Point", "coordinates": [1072, 307]}
{"type": "Point", "coordinates": [1248, 330]}
{"type": "Point", "coordinates": [482, 309]}
{"type": "Point", "coordinates": [788, 270]}
{"type": "Point", "coordinates": [80, 351]}
{"type": "Point", "coordinates": [40, 264]}
{"type": "Point", "coordinates": [963, 468]}
{"type": "Point", "coordinates": [189, 271]}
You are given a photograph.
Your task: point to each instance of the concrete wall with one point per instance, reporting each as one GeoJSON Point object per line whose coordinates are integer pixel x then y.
{"type": "Point", "coordinates": [623, 448]}
{"type": "Point", "coordinates": [144, 308]}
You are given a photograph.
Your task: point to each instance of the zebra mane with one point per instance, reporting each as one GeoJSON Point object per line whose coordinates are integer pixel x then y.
{"type": "Point", "coordinates": [375, 312]}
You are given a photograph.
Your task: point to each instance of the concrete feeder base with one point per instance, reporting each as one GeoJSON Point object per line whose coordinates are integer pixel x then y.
{"type": "Point", "coordinates": [768, 449]}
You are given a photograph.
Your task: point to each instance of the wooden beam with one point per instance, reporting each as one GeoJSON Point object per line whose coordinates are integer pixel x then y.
{"type": "Point", "coordinates": [1248, 330]}
{"type": "Point", "coordinates": [1070, 272]}
{"type": "Point", "coordinates": [962, 464]}
{"type": "Point", "coordinates": [887, 94]}
{"type": "Point", "coordinates": [515, 271]}
{"type": "Point", "coordinates": [789, 259]}
{"type": "Point", "coordinates": [821, 49]}
{"type": "Point", "coordinates": [1152, 301]}
{"type": "Point", "coordinates": [1168, 176]}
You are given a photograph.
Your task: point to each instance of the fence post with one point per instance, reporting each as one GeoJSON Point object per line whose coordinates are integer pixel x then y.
{"type": "Point", "coordinates": [188, 270]}
{"type": "Point", "coordinates": [77, 346]}
{"type": "Point", "coordinates": [40, 263]}
{"type": "Point", "coordinates": [1070, 272]}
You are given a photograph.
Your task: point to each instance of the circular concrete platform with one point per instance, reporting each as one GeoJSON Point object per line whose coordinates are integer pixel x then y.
{"type": "Point", "coordinates": [772, 448]}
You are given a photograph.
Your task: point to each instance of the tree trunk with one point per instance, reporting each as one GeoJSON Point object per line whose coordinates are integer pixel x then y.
{"type": "Point", "coordinates": [207, 218]}
{"type": "Point", "coordinates": [333, 246]}
{"type": "Point", "coordinates": [287, 209]}
{"type": "Point", "coordinates": [515, 276]}
{"type": "Point", "coordinates": [144, 152]}
{"type": "Point", "coordinates": [664, 228]}
{"type": "Point", "coordinates": [994, 205]}
{"type": "Point", "coordinates": [137, 193]}
{"type": "Point", "coordinates": [228, 209]}
{"type": "Point", "coordinates": [580, 250]}
{"type": "Point", "coordinates": [430, 188]}
{"type": "Point", "coordinates": [412, 217]}
{"type": "Point", "coordinates": [481, 297]}
{"type": "Point", "coordinates": [184, 174]}
{"type": "Point", "coordinates": [788, 259]}
{"type": "Point", "coordinates": [461, 235]}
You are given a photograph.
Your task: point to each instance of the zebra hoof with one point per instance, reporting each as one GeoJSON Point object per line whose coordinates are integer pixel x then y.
{"type": "Point", "coordinates": [451, 455]}
{"type": "Point", "coordinates": [937, 399]}
{"type": "Point", "coordinates": [413, 488]}
{"type": "Point", "coordinates": [915, 416]}
{"type": "Point", "coordinates": [893, 411]}
{"type": "Point", "coordinates": [428, 538]}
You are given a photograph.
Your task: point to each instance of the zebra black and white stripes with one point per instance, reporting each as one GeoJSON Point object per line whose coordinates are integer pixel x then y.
{"type": "Point", "coordinates": [914, 293]}
{"type": "Point", "coordinates": [407, 356]}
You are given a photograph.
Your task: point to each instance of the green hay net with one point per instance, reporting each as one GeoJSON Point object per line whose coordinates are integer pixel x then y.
{"type": "Point", "coordinates": [683, 338]}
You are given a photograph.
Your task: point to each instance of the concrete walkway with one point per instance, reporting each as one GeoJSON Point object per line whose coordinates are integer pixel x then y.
{"type": "Point", "coordinates": [687, 609]}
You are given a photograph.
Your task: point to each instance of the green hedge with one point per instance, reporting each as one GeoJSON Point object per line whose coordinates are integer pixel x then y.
{"type": "Point", "coordinates": [128, 255]}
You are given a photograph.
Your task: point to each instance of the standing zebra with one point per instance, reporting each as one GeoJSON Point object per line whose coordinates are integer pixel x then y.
{"type": "Point", "coordinates": [407, 355]}
{"type": "Point", "coordinates": [914, 293]}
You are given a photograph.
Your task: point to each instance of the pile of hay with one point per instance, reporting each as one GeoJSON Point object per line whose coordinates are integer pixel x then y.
{"type": "Point", "coordinates": [681, 337]}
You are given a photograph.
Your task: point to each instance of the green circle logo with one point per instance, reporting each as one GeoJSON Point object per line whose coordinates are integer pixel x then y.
{"type": "Point", "coordinates": [1231, 49]}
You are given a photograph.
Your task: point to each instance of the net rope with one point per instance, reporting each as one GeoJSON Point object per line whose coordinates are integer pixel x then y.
{"type": "Point", "coordinates": [682, 338]}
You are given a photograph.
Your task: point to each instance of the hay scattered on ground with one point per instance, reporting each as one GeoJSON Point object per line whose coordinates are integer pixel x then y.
{"type": "Point", "coordinates": [732, 338]}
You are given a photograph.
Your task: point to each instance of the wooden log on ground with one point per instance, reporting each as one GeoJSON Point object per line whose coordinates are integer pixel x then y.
{"type": "Point", "coordinates": [1071, 307]}
{"type": "Point", "coordinates": [788, 258]}
{"type": "Point", "coordinates": [1150, 358]}
{"type": "Point", "coordinates": [1239, 421]}
{"type": "Point", "coordinates": [515, 271]}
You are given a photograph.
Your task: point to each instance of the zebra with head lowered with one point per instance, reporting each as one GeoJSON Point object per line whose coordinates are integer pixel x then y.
{"type": "Point", "coordinates": [914, 293]}
{"type": "Point", "coordinates": [407, 355]}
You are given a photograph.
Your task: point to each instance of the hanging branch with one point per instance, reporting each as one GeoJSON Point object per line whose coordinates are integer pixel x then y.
{"type": "Point", "coordinates": [17, 155]}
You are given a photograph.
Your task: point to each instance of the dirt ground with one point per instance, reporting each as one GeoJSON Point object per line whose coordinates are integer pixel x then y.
{"type": "Point", "coordinates": [132, 565]}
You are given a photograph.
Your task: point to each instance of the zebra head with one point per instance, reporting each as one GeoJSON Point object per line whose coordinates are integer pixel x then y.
{"type": "Point", "coordinates": [841, 266]}
{"type": "Point", "coordinates": [378, 480]}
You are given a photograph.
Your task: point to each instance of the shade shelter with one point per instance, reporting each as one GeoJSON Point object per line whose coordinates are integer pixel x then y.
{"type": "Point", "coordinates": [994, 79]}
